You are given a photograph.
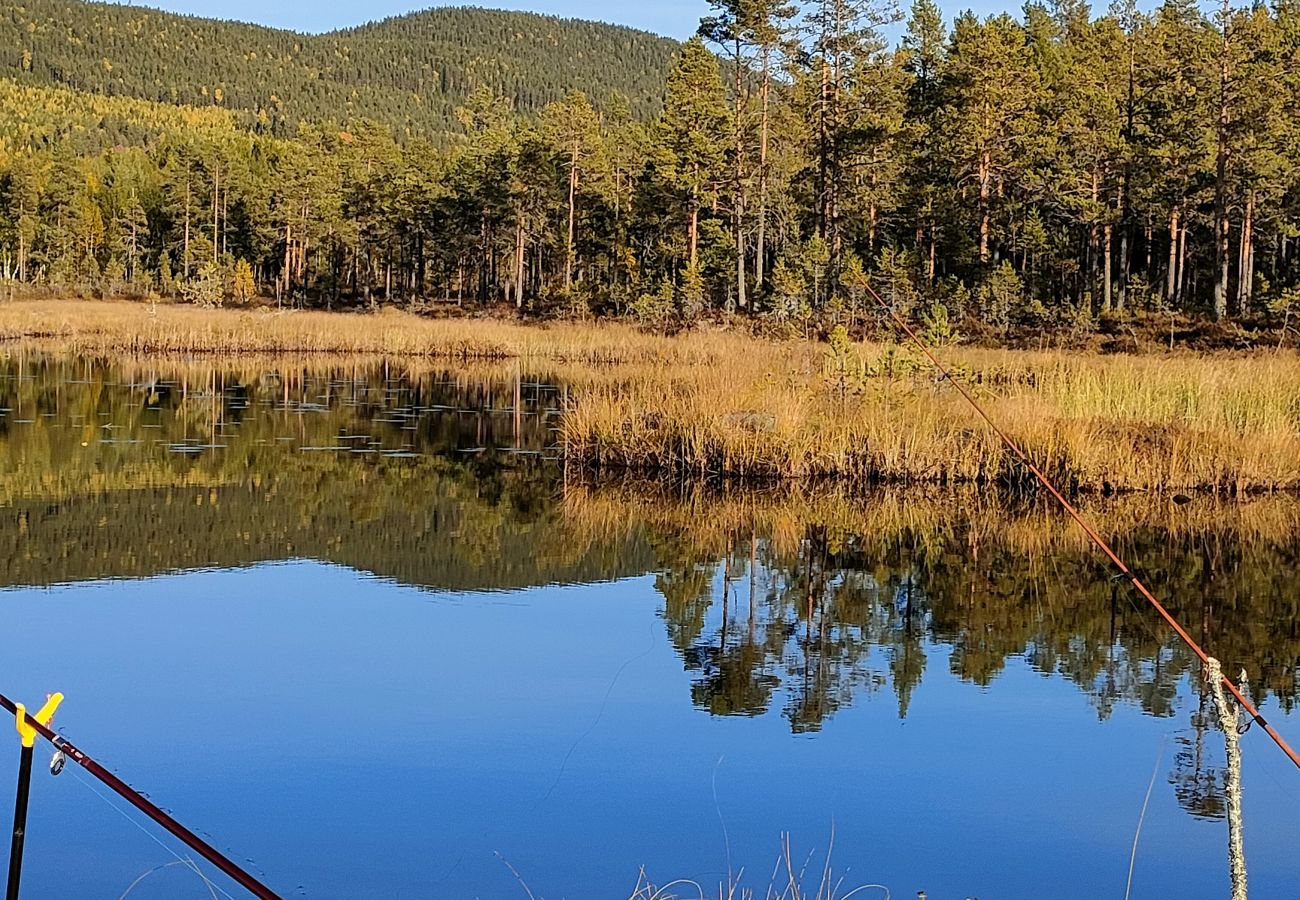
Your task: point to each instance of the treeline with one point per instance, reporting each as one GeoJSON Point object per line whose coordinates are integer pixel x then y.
{"type": "Point", "coordinates": [408, 72]}
{"type": "Point", "coordinates": [1040, 171]}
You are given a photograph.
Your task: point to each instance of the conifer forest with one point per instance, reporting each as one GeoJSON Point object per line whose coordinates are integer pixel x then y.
{"type": "Point", "coordinates": [1051, 168]}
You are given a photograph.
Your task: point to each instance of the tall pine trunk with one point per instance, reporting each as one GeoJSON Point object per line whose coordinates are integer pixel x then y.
{"type": "Point", "coordinates": [1222, 237]}
{"type": "Point", "coordinates": [573, 196]}
{"type": "Point", "coordinates": [288, 256]}
{"type": "Point", "coordinates": [823, 155]}
{"type": "Point", "coordinates": [738, 201]}
{"type": "Point", "coordinates": [693, 231]}
{"type": "Point", "coordinates": [519, 262]}
{"type": "Point", "coordinates": [1106, 268]}
{"type": "Point", "coordinates": [934, 252]}
{"type": "Point", "coordinates": [1180, 290]}
{"type": "Point", "coordinates": [1171, 281]}
{"type": "Point", "coordinates": [1246, 258]}
{"type": "Point", "coordinates": [693, 222]}
{"type": "Point", "coordinates": [22, 241]}
{"type": "Point", "coordinates": [760, 258]}
{"type": "Point", "coordinates": [186, 263]}
{"type": "Point", "coordinates": [216, 214]}
{"type": "Point", "coordinates": [985, 175]}
{"type": "Point", "coordinates": [1125, 253]}
{"type": "Point", "coordinates": [1094, 246]}
{"type": "Point", "coordinates": [1125, 191]}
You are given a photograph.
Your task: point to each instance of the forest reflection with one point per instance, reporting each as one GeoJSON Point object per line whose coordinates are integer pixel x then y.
{"type": "Point", "coordinates": [789, 601]}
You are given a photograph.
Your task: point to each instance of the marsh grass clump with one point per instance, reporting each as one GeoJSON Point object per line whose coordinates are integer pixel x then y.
{"type": "Point", "coordinates": [871, 413]}
{"type": "Point", "coordinates": [811, 877]}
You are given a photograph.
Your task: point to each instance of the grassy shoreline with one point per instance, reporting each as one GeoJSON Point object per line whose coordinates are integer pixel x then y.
{"type": "Point", "coordinates": [131, 328]}
{"type": "Point", "coordinates": [724, 404]}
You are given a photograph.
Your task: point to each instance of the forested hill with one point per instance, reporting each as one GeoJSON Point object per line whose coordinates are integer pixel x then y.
{"type": "Point", "coordinates": [409, 72]}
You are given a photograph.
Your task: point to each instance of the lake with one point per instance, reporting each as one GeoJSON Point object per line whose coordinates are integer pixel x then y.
{"type": "Point", "coordinates": [355, 624]}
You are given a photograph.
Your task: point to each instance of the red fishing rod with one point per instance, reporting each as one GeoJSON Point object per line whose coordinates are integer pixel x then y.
{"type": "Point", "coordinates": [1083, 523]}
{"type": "Point", "coordinates": [29, 726]}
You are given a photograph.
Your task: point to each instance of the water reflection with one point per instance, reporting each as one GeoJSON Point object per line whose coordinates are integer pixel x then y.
{"type": "Point", "coordinates": [794, 603]}
{"type": "Point", "coordinates": [414, 474]}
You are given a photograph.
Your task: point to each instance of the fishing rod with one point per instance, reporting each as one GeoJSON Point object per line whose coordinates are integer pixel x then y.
{"type": "Point", "coordinates": [29, 726]}
{"type": "Point", "coordinates": [1083, 523]}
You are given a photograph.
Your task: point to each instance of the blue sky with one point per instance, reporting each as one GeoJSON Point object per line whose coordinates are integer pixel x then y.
{"type": "Point", "coordinates": [677, 18]}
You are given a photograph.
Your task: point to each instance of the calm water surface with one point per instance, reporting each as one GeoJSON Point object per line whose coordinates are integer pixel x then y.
{"type": "Point", "coordinates": [354, 626]}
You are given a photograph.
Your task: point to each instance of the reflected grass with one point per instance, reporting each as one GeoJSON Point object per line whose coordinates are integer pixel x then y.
{"type": "Point", "coordinates": [712, 519]}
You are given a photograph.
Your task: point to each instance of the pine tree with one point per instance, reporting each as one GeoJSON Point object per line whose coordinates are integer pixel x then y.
{"type": "Point", "coordinates": [693, 135]}
{"type": "Point", "coordinates": [992, 93]}
{"type": "Point", "coordinates": [573, 130]}
{"type": "Point", "coordinates": [924, 56]}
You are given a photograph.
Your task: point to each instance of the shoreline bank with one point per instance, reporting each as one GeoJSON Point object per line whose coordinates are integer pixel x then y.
{"type": "Point", "coordinates": [717, 404]}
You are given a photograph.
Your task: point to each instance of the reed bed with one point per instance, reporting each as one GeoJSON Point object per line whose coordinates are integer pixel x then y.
{"type": "Point", "coordinates": [1096, 423]}
{"type": "Point", "coordinates": [722, 404]}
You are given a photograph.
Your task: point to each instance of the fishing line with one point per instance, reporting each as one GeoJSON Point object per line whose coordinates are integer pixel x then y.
{"type": "Point", "coordinates": [1251, 710]}
{"type": "Point", "coordinates": [717, 807]}
{"type": "Point", "coordinates": [1283, 787]}
{"type": "Point", "coordinates": [184, 861]}
{"type": "Point", "coordinates": [582, 737]}
{"type": "Point", "coordinates": [1142, 816]}
{"type": "Point", "coordinates": [144, 875]}
{"type": "Point", "coordinates": [599, 713]}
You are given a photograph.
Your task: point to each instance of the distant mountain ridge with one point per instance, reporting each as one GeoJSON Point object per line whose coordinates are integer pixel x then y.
{"type": "Point", "coordinates": [409, 72]}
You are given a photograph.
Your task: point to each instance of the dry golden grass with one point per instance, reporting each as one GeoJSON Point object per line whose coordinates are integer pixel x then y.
{"type": "Point", "coordinates": [726, 404]}
{"type": "Point", "coordinates": [1141, 423]}
{"type": "Point", "coordinates": [84, 326]}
